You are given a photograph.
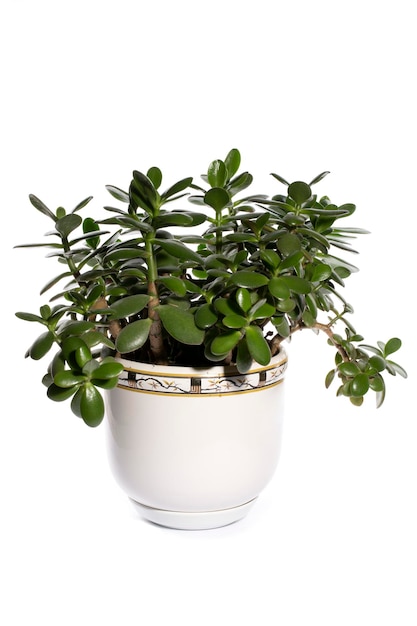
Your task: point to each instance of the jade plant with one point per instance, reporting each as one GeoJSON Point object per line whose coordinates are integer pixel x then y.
{"type": "Point", "coordinates": [199, 274]}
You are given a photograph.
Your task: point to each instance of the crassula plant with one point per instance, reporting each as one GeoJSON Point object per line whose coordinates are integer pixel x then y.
{"type": "Point", "coordinates": [195, 275]}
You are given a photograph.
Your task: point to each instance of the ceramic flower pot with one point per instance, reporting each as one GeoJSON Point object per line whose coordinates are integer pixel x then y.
{"type": "Point", "coordinates": [193, 448]}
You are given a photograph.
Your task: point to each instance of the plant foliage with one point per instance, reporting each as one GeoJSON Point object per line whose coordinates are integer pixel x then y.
{"type": "Point", "coordinates": [219, 278]}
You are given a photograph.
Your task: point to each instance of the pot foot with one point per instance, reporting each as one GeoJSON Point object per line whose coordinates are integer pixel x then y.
{"type": "Point", "coordinates": [204, 520]}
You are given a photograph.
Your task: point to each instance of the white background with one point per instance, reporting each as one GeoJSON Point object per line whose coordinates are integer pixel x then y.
{"type": "Point", "coordinates": [93, 90]}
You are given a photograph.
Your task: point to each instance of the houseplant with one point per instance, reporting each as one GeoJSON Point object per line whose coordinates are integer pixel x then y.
{"type": "Point", "coordinates": [218, 281]}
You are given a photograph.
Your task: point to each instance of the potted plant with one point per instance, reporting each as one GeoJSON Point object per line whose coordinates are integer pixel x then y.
{"type": "Point", "coordinates": [177, 305]}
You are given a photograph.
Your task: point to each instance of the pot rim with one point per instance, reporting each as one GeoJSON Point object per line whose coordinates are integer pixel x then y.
{"type": "Point", "coordinates": [216, 370]}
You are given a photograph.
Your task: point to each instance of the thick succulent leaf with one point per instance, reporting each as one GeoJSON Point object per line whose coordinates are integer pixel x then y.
{"type": "Point", "coordinates": [164, 220]}
{"type": "Point", "coordinates": [144, 187]}
{"type": "Point", "coordinates": [297, 285]}
{"type": "Point", "coordinates": [217, 173]}
{"type": "Point", "coordinates": [360, 385]}
{"type": "Point", "coordinates": [82, 204]}
{"type": "Point", "coordinates": [38, 204]}
{"type": "Point", "coordinates": [278, 288]}
{"type": "Point", "coordinates": [131, 305]}
{"type": "Point", "coordinates": [288, 244]}
{"type": "Point", "coordinates": [89, 405]}
{"type": "Point", "coordinates": [299, 191]}
{"type": "Point", "coordinates": [181, 325]}
{"type": "Point", "coordinates": [257, 345]}
{"type": "Point", "coordinates": [29, 317]}
{"type": "Point", "coordinates": [117, 193]}
{"type": "Point", "coordinates": [248, 279]}
{"type": "Point", "coordinates": [181, 185]}
{"type": "Point", "coordinates": [281, 180]}
{"type": "Point", "coordinates": [217, 198]}
{"type": "Point", "coordinates": [41, 346]}
{"type": "Point", "coordinates": [59, 394]}
{"type": "Point", "coordinates": [243, 299]}
{"type": "Point", "coordinates": [178, 249]}
{"type": "Point", "coordinates": [318, 178]}
{"type": "Point", "coordinates": [234, 321]}
{"type": "Point", "coordinates": [155, 176]}
{"type": "Point", "coordinates": [243, 358]}
{"type": "Point", "coordinates": [68, 223]}
{"type": "Point", "coordinates": [240, 183]}
{"type": "Point", "coordinates": [107, 369]}
{"type": "Point", "coordinates": [392, 346]}
{"type": "Point", "coordinates": [67, 379]}
{"type": "Point", "coordinates": [133, 336]}
{"type": "Point", "coordinates": [222, 344]}
{"type": "Point", "coordinates": [174, 284]}
{"type": "Point", "coordinates": [205, 316]}
{"type": "Point", "coordinates": [232, 162]}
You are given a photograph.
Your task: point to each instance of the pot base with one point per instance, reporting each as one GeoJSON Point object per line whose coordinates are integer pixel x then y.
{"type": "Point", "coordinates": [181, 520]}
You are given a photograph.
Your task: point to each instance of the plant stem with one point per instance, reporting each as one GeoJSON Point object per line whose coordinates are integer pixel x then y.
{"type": "Point", "coordinates": [277, 339]}
{"type": "Point", "coordinates": [156, 343]}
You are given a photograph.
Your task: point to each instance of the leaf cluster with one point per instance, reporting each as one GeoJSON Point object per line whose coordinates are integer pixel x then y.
{"type": "Point", "coordinates": [221, 278]}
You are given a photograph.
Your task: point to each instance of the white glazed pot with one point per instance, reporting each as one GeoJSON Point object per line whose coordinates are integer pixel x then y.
{"type": "Point", "coordinates": [193, 447]}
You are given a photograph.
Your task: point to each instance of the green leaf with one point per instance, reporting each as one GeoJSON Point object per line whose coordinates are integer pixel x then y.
{"type": "Point", "coordinates": [271, 258]}
{"type": "Point", "coordinates": [40, 206]}
{"type": "Point", "coordinates": [239, 183]}
{"type": "Point", "coordinates": [67, 378]}
{"type": "Point", "coordinates": [90, 226]}
{"type": "Point", "coordinates": [243, 299]}
{"type": "Point", "coordinates": [180, 324]}
{"type": "Point", "coordinates": [376, 384]}
{"type": "Point", "coordinates": [107, 369]}
{"type": "Point", "coordinates": [163, 220]}
{"type": "Point", "coordinates": [288, 244]}
{"type": "Point", "coordinates": [248, 279]}
{"type": "Point", "coordinates": [392, 346]}
{"type": "Point", "coordinates": [217, 173]}
{"type": "Point", "coordinates": [117, 193]}
{"type": "Point", "coordinates": [217, 198]}
{"type": "Point", "coordinates": [321, 272]}
{"type": "Point", "coordinates": [243, 357]}
{"type": "Point", "coordinates": [145, 189]}
{"type": "Point", "coordinates": [41, 346]}
{"type": "Point", "coordinates": [360, 385]}
{"type": "Point", "coordinates": [232, 162]}
{"type": "Point", "coordinates": [178, 249]}
{"type": "Point", "coordinates": [54, 281]}
{"type": "Point", "coordinates": [349, 368]}
{"type": "Point", "coordinates": [279, 288]}
{"type": "Point", "coordinates": [257, 345]}
{"type": "Point", "coordinates": [377, 363]}
{"type": "Point", "coordinates": [131, 305]}
{"type": "Point", "coordinates": [261, 310]}
{"type": "Point", "coordinates": [297, 285]}
{"type": "Point", "coordinates": [280, 179]}
{"type": "Point", "coordinates": [133, 336]}
{"type": "Point", "coordinates": [155, 176]}
{"type": "Point", "coordinates": [29, 317]}
{"type": "Point", "coordinates": [205, 316]}
{"type": "Point", "coordinates": [181, 185]}
{"type": "Point", "coordinates": [59, 394]}
{"type": "Point", "coordinates": [174, 284]}
{"type": "Point", "coordinates": [300, 192]}
{"type": "Point", "coordinates": [234, 321]}
{"type": "Point", "coordinates": [318, 178]}
{"type": "Point", "coordinates": [89, 405]}
{"type": "Point", "coordinates": [68, 223]}
{"type": "Point", "coordinates": [222, 344]}
{"type": "Point", "coordinates": [282, 326]}
{"type": "Point", "coordinates": [329, 378]}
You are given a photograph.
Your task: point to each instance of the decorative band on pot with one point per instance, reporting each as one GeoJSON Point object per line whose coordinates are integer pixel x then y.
{"type": "Point", "coordinates": [183, 381]}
